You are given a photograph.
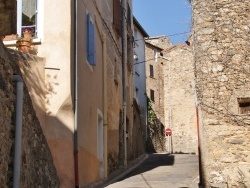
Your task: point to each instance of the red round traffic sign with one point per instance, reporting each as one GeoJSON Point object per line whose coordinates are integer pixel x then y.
{"type": "Point", "coordinates": [168, 131]}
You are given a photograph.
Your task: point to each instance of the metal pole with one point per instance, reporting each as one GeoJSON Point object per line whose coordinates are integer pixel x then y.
{"type": "Point", "coordinates": [18, 131]}
{"type": "Point", "coordinates": [76, 101]}
{"type": "Point", "coordinates": [123, 2]}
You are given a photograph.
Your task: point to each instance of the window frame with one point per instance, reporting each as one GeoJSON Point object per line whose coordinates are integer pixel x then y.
{"type": "Point", "coordinates": [152, 95]}
{"type": "Point", "coordinates": [39, 19]}
{"type": "Point", "coordinates": [151, 71]}
{"type": "Point", "coordinates": [90, 41]}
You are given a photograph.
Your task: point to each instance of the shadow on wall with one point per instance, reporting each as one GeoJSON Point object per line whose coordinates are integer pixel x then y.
{"type": "Point", "coordinates": [155, 130]}
{"type": "Point", "coordinates": [34, 145]}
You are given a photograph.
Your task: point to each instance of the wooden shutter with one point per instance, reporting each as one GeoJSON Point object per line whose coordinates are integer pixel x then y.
{"type": "Point", "coordinates": [128, 15]}
{"type": "Point", "coordinates": [90, 41]}
{"type": "Point", "coordinates": [117, 16]}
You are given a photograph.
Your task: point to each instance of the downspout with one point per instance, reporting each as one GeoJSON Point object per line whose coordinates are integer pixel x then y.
{"type": "Point", "coordinates": [200, 184]}
{"type": "Point", "coordinates": [105, 121]}
{"type": "Point", "coordinates": [18, 131]}
{"type": "Point", "coordinates": [76, 99]}
{"type": "Point", "coordinates": [124, 82]}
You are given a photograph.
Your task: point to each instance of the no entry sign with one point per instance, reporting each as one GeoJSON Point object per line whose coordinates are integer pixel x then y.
{"type": "Point", "coordinates": [168, 131]}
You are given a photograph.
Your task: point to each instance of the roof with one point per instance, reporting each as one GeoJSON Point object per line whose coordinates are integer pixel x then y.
{"type": "Point", "coordinates": [153, 45]}
{"type": "Point", "coordinates": [138, 25]}
{"type": "Point", "coordinates": [184, 46]}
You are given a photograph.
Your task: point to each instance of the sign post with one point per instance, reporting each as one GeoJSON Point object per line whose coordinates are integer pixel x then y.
{"type": "Point", "coordinates": [168, 132]}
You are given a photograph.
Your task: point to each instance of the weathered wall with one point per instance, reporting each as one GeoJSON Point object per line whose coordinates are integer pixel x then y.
{"type": "Point", "coordinates": [156, 116]}
{"type": "Point", "coordinates": [37, 165]}
{"type": "Point", "coordinates": [7, 17]}
{"type": "Point", "coordinates": [160, 41]}
{"type": "Point", "coordinates": [221, 51]}
{"type": "Point", "coordinates": [179, 107]}
{"type": "Point", "coordinates": [140, 75]}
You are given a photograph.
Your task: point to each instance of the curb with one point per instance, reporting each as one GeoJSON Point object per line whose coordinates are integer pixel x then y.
{"type": "Point", "coordinates": [137, 162]}
{"type": "Point", "coordinates": [113, 178]}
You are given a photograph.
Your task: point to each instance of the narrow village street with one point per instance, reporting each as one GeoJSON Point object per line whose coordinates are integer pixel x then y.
{"type": "Point", "coordinates": [162, 171]}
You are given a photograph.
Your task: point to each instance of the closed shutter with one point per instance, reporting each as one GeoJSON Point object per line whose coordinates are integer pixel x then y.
{"type": "Point", "coordinates": [117, 16]}
{"type": "Point", "coordinates": [128, 15]}
{"type": "Point", "coordinates": [90, 41]}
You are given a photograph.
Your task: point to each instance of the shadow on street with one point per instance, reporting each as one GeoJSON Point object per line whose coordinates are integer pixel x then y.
{"type": "Point", "coordinates": [153, 161]}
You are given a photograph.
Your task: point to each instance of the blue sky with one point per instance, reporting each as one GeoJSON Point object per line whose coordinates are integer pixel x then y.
{"type": "Point", "coordinates": [164, 17]}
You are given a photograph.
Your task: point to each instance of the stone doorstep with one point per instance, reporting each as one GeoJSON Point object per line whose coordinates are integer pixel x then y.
{"type": "Point", "coordinates": [119, 173]}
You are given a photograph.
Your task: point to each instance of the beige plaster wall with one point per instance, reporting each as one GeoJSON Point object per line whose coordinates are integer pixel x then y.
{"type": "Point", "coordinates": [59, 119]}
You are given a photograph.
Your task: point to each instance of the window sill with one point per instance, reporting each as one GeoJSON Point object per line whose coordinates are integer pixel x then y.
{"type": "Point", "coordinates": [12, 43]}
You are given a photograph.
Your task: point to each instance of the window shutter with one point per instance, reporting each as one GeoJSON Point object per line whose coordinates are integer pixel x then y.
{"type": "Point", "coordinates": [90, 41]}
{"type": "Point", "coordinates": [117, 15]}
{"type": "Point", "coordinates": [128, 15]}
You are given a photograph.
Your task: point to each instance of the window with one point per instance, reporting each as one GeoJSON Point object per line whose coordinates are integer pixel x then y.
{"type": "Point", "coordinates": [155, 55]}
{"type": "Point", "coordinates": [117, 16]}
{"type": "Point", "coordinates": [152, 95]}
{"type": "Point", "coordinates": [244, 105]}
{"type": "Point", "coordinates": [29, 17]}
{"type": "Point", "coordinates": [116, 72]}
{"type": "Point", "coordinates": [151, 69]}
{"type": "Point", "coordinates": [128, 15]}
{"type": "Point", "coordinates": [90, 41]}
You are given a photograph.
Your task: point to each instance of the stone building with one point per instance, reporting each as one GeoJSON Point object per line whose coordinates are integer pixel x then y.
{"type": "Point", "coordinates": [221, 54]}
{"type": "Point", "coordinates": [7, 17]}
{"type": "Point", "coordinates": [155, 92]}
{"type": "Point", "coordinates": [179, 95]}
{"type": "Point", "coordinates": [78, 91]}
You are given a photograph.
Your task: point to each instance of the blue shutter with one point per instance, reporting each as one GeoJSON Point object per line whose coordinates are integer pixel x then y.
{"type": "Point", "coordinates": [90, 41]}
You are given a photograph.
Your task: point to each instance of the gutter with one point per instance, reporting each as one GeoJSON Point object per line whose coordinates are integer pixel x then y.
{"type": "Point", "coordinates": [105, 111]}
{"type": "Point", "coordinates": [18, 131]}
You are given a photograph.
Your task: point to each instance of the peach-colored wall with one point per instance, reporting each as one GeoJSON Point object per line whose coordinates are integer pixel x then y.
{"type": "Point", "coordinates": [90, 96]}
{"type": "Point", "coordinates": [59, 118]}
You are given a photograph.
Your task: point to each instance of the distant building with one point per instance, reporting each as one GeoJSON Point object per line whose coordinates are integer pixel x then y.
{"type": "Point", "coordinates": [179, 95]}
{"type": "Point", "coordinates": [140, 73]}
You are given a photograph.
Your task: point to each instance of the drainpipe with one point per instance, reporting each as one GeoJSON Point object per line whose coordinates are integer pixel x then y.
{"type": "Point", "coordinates": [18, 131]}
{"type": "Point", "coordinates": [105, 121]}
{"type": "Point", "coordinates": [123, 3]}
{"type": "Point", "coordinates": [76, 100]}
{"type": "Point", "coordinates": [200, 184]}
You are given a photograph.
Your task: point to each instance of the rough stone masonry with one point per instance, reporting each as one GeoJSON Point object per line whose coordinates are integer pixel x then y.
{"type": "Point", "coordinates": [37, 167]}
{"type": "Point", "coordinates": [221, 40]}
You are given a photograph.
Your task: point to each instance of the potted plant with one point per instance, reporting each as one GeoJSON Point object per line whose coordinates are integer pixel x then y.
{"type": "Point", "coordinates": [24, 42]}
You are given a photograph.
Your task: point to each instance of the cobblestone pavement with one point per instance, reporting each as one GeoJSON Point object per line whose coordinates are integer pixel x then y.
{"type": "Point", "coordinates": [162, 171]}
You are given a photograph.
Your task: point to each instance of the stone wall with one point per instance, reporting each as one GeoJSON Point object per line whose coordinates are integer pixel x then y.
{"type": "Point", "coordinates": [179, 94]}
{"type": "Point", "coordinates": [155, 83]}
{"type": "Point", "coordinates": [37, 168]}
{"type": "Point", "coordinates": [7, 17]}
{"type": "Point", "coordinates": [221, 36]}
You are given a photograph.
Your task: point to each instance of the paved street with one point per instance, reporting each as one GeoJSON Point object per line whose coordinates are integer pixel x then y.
{"type": "Point", "coordinates": [162, 171]}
